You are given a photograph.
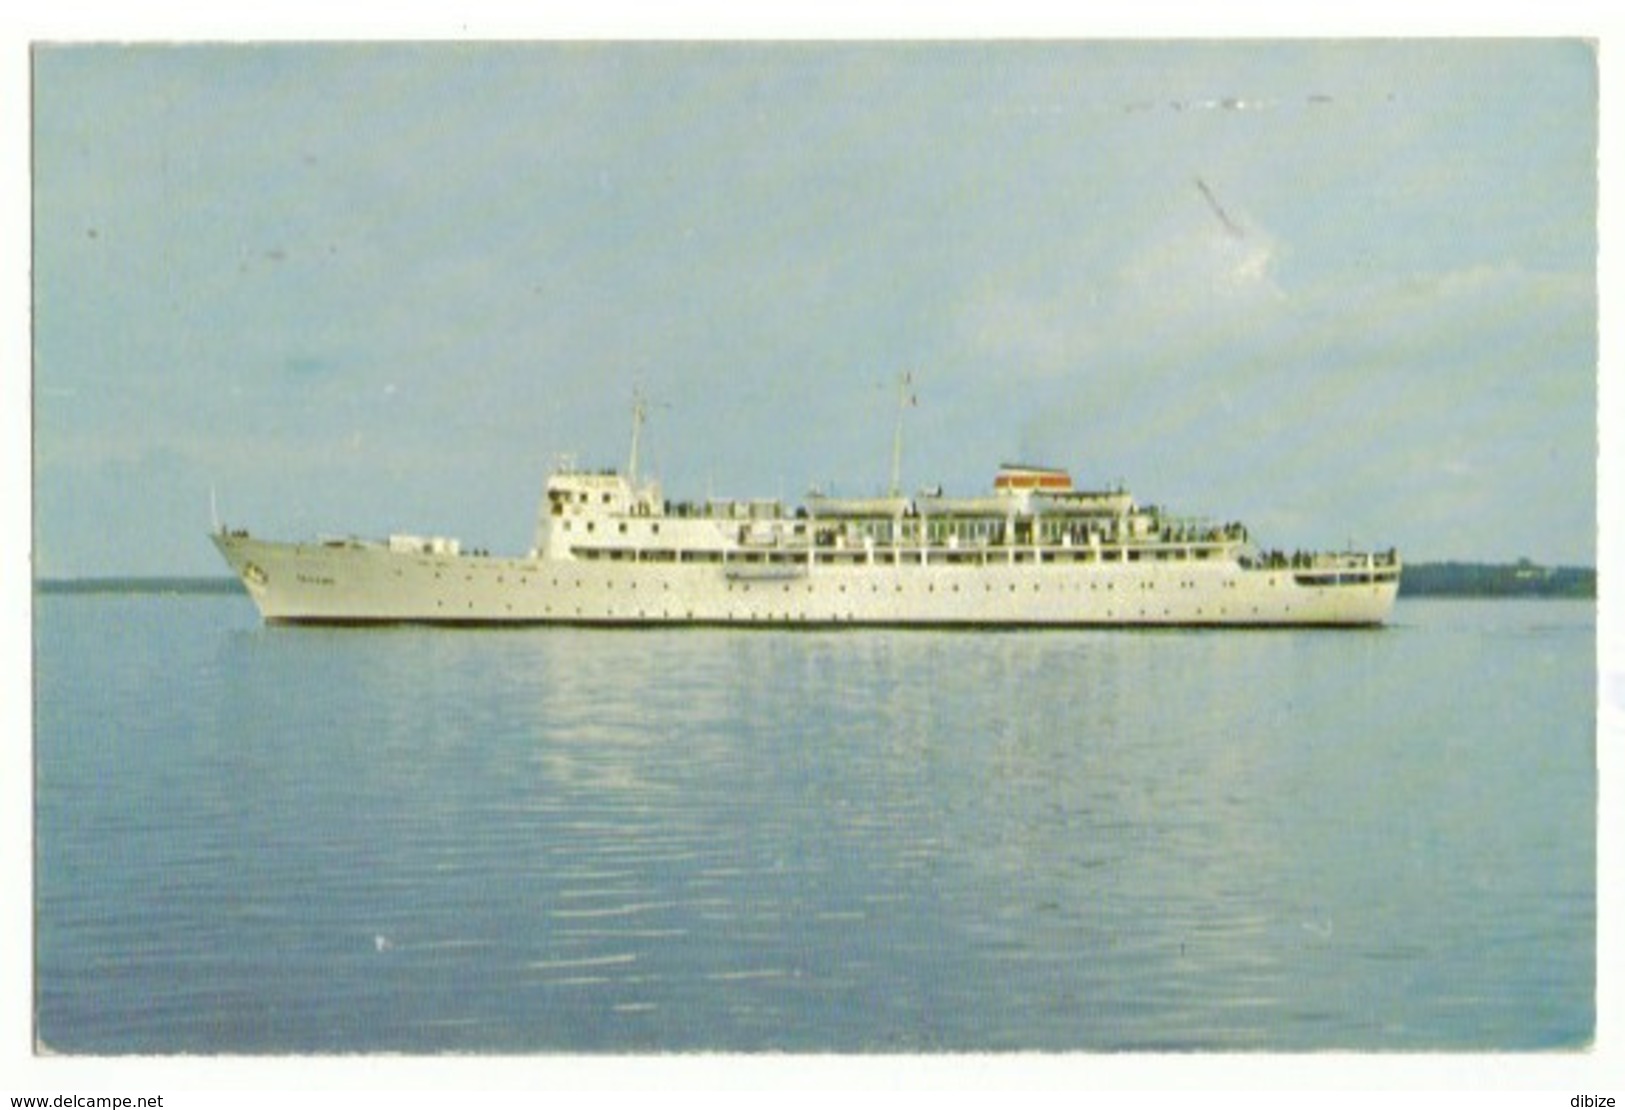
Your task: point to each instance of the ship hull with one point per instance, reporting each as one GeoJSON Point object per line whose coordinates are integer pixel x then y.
{"type": "Point", "coordinates": [349, 583]}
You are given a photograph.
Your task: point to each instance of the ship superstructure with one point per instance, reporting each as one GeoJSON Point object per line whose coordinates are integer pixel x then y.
{"type": "Point", "coordinates": [1034, 551]}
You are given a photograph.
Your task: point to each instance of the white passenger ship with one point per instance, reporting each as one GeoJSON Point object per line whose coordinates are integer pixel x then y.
{"type": "Point", "coordinates": [1035, 552]}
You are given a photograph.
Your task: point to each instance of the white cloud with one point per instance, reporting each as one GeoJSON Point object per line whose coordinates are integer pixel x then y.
{"type": "Point", "coordinates": [1203, 278]}
{"type": "Point", "coordinates": [1181, 289]}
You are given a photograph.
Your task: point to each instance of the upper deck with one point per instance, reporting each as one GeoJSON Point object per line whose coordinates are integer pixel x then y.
{"type": "Point", "coordinates": [1032, 515]}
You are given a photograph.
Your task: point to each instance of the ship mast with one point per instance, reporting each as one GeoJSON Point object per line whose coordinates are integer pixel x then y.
{"type": "Point", "coordinates": [905, 399]}
{"type": "Point", "coordinates": [639, 411]}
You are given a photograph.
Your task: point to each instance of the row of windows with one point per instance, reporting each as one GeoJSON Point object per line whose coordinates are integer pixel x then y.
{"type": "Point", "coordinates": [874, 587]}
{"type": "Point", "coordinates": [892, 557]}
{"type": "Point", "coordinates": [592, 526]}
{"type": "Point", "coordinates": [936, 533]}
{"type": "Point", "coordinates": [955, 587]}
{"type": "Point", "coordinates": [786, 617]}
{"type": "Point", "coordinates": [1346, 578]}
{"type": "Point", "coordinates": [754, 615]}
{"type": "Point", "coordinates": [559, 498]}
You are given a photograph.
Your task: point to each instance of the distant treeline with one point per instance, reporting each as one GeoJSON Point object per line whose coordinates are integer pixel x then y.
{"type": "Point", "coordinates": [1520, 579]}
{"type": "Point", "coordinates": [139, 586]}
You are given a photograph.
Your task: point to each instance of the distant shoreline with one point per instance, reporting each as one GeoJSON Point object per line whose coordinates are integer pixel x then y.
{"type": "Point", "coordinates": [210, 585]}
{"type": "Point", "coordinates": [1497, 580]}
{"type": "Point", "coordinates": [1447, 579]}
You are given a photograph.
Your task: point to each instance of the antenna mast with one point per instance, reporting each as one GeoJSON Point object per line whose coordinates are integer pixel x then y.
{"type": "Point", "coordinates": [905, 399]}
{"type": "Point", "coordinates": [639, 411]}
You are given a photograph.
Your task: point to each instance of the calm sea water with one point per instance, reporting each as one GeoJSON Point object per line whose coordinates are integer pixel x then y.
{"type": "Point", "coordinates": [267, 840]}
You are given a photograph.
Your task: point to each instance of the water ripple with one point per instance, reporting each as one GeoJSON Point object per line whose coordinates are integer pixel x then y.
{"type": "Point", "coordinates": [562, 840]}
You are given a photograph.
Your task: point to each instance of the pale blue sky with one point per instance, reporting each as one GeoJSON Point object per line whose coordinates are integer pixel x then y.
{"type": "Point", "coordinates": [372, 288]}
